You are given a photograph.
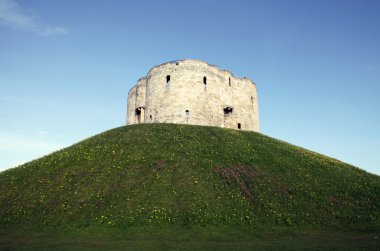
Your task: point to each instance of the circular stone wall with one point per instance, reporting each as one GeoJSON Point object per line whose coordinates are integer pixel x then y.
{"type": "Point", "coordinates": [194, 92]}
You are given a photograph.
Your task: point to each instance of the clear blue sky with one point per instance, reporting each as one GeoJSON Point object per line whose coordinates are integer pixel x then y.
{"type": "Point", "coordinates": [66, 67]}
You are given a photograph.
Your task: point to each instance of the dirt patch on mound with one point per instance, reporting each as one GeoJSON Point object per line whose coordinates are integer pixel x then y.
{"type": "Point", "coordinates": [239, 174]}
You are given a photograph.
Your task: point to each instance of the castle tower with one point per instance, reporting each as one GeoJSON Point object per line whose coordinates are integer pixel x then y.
{"type": "Point", "coordinates": [194, 92]}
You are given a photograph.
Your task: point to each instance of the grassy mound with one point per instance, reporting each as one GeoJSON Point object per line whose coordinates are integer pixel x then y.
{"type": "Point", "coordinates": [168, 177]}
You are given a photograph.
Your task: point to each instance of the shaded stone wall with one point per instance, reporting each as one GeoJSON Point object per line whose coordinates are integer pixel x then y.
{"type": "Point", "coordinates": [194, 92]}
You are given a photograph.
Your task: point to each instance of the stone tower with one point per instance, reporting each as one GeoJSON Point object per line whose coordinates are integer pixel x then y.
{"type": "Point", "coordinates": [194, 92]}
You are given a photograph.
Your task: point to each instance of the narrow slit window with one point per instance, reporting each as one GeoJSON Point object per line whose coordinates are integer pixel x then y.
{"type": "Point", "coordinates": [204, 80]}
{"type": "Point", "coordinates": [239, 126]}
{"type": "Point", "coordinates": [187, 113]}
{"type": "Point", "coordinates": [229, 81]}
{"type": "Point", "coordinates": [167, 82]}
{"type": "Point", "coordinates": [150, 116]}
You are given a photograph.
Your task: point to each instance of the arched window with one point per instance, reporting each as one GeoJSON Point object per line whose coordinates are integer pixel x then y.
{"type": "Point", "coordinates": [239, 126]}
{"type": "Point", "coordinates": [167, 83]}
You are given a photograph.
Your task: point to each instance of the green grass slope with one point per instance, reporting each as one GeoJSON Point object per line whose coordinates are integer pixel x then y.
{"type": "Point", "coordinates": [212, 182]}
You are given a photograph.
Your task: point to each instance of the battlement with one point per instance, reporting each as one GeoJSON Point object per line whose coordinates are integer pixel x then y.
{"type": "Point", "coordinates": [194, 92]}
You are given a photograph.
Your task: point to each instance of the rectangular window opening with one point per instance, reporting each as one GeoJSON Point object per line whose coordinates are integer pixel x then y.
{"type": "Point", "coordinates": [227, 111]}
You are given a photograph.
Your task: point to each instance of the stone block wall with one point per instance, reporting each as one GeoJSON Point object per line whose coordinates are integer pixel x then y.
{"type": "Point", "coordinates": [194, 92]}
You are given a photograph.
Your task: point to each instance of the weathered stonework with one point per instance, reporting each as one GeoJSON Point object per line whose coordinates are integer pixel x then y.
{"type": "Point", "coordinates": [194, 92]}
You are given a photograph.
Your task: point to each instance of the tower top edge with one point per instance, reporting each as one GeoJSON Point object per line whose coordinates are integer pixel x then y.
{"type": "Point", "coordinates": [138, 81]}
{"type": "Point", "coordinates": [188, 60]}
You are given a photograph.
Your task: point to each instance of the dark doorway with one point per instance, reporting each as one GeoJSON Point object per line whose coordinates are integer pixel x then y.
{"type": "Point", "coordinates": [138, 115]}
